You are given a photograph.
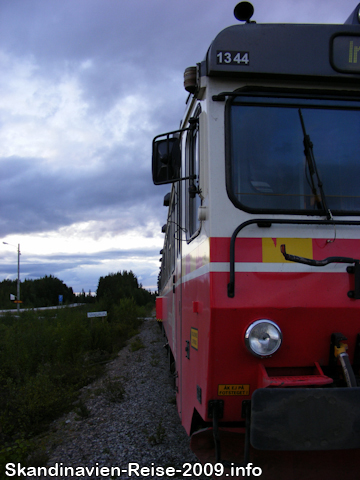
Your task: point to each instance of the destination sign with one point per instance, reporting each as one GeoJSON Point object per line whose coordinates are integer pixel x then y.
{"type": "Point", "coordinates": [345, 54]}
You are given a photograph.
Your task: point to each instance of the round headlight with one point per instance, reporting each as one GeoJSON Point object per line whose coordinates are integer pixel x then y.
{"type": "Point", "coordinates": [263, 338]}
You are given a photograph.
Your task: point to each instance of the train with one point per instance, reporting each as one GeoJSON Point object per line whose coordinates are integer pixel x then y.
{"type": "Point", "coordinates": [259, 284]}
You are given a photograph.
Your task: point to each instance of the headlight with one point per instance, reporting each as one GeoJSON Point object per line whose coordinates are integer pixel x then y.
{"type": "Point", "coordinates": [263, 338]}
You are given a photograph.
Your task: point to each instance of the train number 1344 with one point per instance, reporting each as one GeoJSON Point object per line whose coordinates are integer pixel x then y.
{"type": "Point", "coordinates": [232, 58]}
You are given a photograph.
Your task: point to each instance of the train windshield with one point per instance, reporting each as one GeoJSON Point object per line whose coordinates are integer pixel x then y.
{"type": "Point", "coordinates": [267, 169]}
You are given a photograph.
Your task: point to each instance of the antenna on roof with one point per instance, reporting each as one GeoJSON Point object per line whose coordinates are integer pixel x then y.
{"type": "Point", "coordinates": [244, 11]}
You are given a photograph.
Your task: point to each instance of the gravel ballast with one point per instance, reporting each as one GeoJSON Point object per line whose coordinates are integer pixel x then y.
{"type": "Point", "coordinates": [129, 416]}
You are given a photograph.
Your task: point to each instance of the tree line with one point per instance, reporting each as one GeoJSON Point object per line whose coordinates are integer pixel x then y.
{"type": "Point", "coordinates": [45, 291]}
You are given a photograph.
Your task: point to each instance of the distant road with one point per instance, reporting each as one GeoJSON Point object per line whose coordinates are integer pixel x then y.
{"type": "Point", "coordinates": [42, 308]}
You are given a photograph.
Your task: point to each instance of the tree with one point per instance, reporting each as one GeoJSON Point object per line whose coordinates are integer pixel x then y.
{"type": "Point", "coordinates": [42, 292]}
{"type": "Point", "coordinates": [117, 286]}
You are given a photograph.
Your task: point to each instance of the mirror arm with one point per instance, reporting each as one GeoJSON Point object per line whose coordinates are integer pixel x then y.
{"type": "Point", "coordinates": [180, 130]}
{"type": "Point", "coordinates": [190, 177]}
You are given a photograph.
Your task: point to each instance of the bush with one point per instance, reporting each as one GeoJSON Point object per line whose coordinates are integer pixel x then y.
{"type": "Point", "coordinates": [74, 339]}
{"type": "Point", "coordinates": [46, 357]}
{"type": "Point", "coordinates": [18, 452]}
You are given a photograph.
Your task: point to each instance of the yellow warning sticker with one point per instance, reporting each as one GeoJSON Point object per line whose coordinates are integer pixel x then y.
{"type": "Point", "coordinates": [194, 338]}
{"type": "Point", "coordinates": [233, 390]}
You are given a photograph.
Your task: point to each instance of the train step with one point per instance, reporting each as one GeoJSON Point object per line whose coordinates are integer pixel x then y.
{"type": "Point", "coordinates": [297, 378]}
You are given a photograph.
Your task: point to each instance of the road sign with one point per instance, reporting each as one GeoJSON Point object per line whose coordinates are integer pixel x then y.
{"type": "Point", "coordinates": [96, 314]}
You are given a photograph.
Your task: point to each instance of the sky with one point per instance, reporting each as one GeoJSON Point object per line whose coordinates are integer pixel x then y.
{"type": "Point", "coordinates": [85, 85]}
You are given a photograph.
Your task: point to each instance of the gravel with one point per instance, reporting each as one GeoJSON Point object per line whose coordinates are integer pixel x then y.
{"type": "Point", "coordinates": [132, 418]}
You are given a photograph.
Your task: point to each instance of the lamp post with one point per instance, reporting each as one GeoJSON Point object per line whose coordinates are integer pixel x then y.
{"type": "Point", "coordinates": [18, 276]}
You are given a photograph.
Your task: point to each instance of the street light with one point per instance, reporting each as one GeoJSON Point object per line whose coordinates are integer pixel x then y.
{"type": "Point", "coordinates": [18, 277]}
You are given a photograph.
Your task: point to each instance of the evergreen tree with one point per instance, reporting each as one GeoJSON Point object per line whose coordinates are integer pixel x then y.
{"type": "Point", "coordinates": [117, 286]}
{"type": "Point", "coordinates": [42, 292]}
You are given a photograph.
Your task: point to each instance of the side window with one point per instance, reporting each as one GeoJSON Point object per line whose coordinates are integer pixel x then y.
{"type": "Point", "coordinates": [171, 238]}
{"type": "Point", "coordinates": [174, 239]}
{"type": "Point", "coordinates": [170, 242]}
{"type": "Point", "coordinates": [193, 200]}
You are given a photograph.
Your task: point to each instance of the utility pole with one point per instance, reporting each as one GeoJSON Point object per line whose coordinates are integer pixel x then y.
{"type": "Point", "coordinates": [18, 276]}
{"type": "Point", "coordinates": [18, 280]}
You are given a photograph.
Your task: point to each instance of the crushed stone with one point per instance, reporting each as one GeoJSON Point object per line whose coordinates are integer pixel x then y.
{"type": "Point", "coordinates": [142, 427]}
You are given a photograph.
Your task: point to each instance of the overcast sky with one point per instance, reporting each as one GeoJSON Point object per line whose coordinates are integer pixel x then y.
{"type": "Point", "coordinates": [84, 87]}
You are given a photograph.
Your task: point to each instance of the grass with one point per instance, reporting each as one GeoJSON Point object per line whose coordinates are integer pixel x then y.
{"type": "Point", "coordinates": [159, 435]}
{"type": "Point", "coordinates": [113, 390]}
{"type": "Point", "coordinates": [136, 344]}
{"type": "Point", "coordinates": [45, 360]}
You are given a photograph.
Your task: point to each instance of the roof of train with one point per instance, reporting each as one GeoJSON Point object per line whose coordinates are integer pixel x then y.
{"type": "Point", "coordinates": [288, 49]}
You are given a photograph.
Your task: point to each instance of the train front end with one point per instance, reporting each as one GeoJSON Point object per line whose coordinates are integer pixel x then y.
{"type": "Point", "coordinates": [267, 288]}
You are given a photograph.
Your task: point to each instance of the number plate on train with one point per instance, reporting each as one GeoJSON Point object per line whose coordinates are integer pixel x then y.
{"type": "Point", "coordinates": [232, 58]}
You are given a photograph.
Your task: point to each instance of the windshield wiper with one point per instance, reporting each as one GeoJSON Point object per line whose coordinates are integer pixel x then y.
{"type": "Point", "coordinates": [309, 154]}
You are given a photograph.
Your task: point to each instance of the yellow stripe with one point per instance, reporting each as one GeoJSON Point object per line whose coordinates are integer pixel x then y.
{"type": "Point", "coordinates": [271, 253]}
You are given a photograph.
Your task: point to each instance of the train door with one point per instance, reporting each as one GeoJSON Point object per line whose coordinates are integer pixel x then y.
{"type": "Point", "coordinates": [191, 203]}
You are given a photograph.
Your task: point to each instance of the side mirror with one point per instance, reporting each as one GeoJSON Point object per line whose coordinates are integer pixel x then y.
{"type": "Point", "coordinates": [166, 160]}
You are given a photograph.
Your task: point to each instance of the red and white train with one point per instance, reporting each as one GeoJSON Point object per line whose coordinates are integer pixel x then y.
{"type": "Point", "coordinates": [259, 287]}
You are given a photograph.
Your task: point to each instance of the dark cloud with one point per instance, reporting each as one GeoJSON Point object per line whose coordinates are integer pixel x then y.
{"type": "Point", "coordinates": [79, 270]}
{"type": "Point", "coordinates": [96, 80]}
{"type": "Point", "coordinates": [113, 46]}
{"type": "Point", "coordinates": [106, 28]}
{"type": "Point", "coordinates": [34, 198]}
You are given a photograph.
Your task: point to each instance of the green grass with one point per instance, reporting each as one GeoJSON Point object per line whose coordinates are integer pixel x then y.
{"type": "Point", "coordinates": [45, 358]}
{"type": "Point", "coordinates": [136, 344]}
